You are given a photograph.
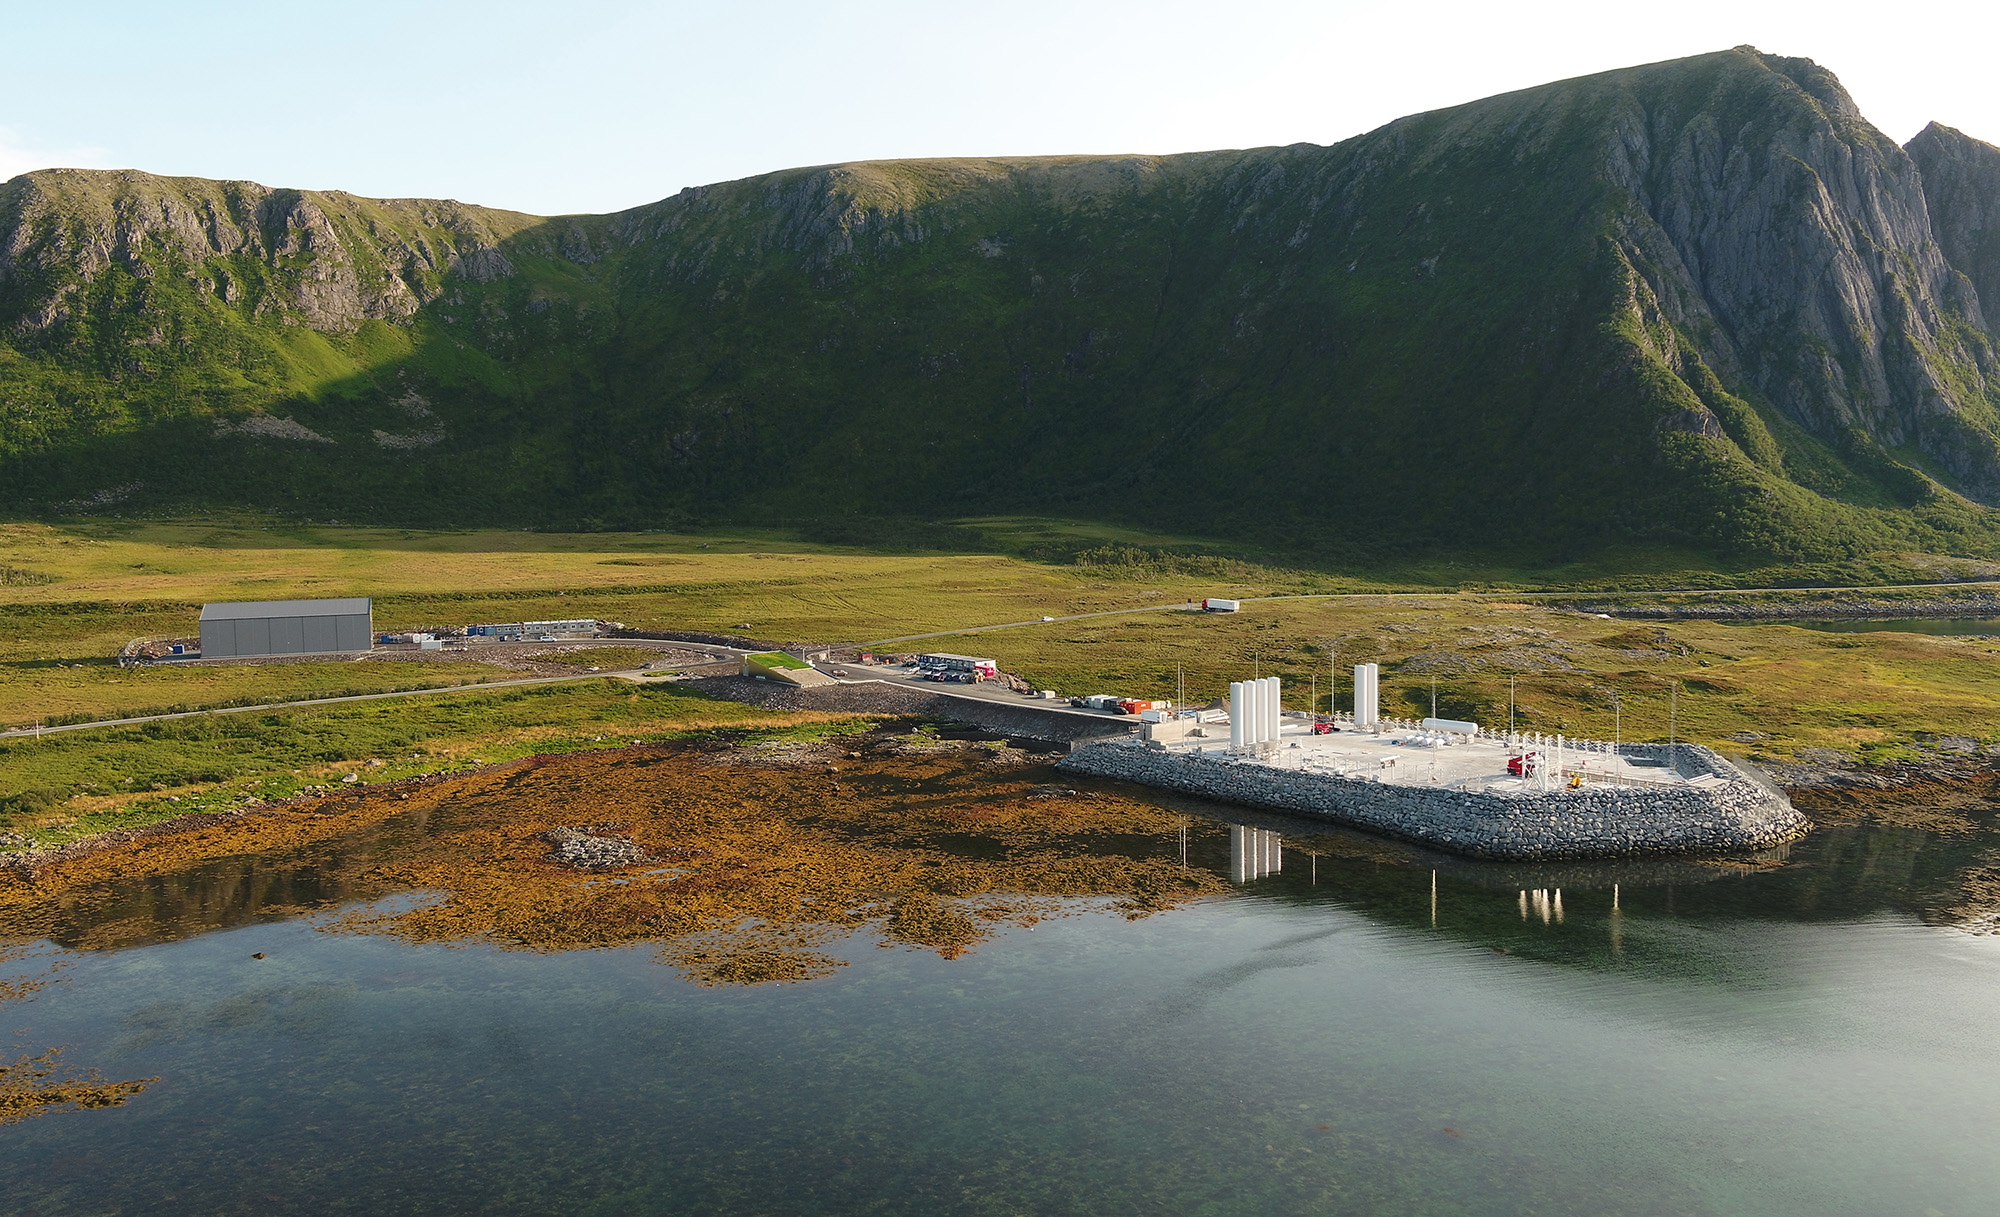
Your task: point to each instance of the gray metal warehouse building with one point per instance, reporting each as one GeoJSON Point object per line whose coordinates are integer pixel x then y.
{"type": "Point", "coordinates": [287, 627]}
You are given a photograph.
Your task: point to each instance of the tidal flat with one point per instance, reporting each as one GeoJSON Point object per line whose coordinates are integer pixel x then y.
{"type": "Point", "coordinates": [910, 969]}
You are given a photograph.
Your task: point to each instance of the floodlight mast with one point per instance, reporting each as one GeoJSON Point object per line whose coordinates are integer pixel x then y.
{"type": "Point", "coordinates": [1673, 714]}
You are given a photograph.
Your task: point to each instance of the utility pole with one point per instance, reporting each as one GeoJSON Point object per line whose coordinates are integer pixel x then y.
{"type": "Point", "coordinates": [1510, 705]}
{"type": "Point", "coordinates": [1673, 713]}
{"type": "Point", "coordinates": [1617, 723]}
{"type": "Point", "coordinates": [1434, 697]}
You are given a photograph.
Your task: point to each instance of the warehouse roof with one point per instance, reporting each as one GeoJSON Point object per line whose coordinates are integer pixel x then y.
{"type": "Point", "coordinates": [240, 609]}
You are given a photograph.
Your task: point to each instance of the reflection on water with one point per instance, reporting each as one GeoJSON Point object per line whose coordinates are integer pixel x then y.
{"type": "Point", "coordinates": [1950, 626]}
{"type": "Point", "coordinates": [1254, 853]}
{"type": "Point", "coordinates": [1546, 903]}
{"type": "Point", "coordinates": [1370, 1029]}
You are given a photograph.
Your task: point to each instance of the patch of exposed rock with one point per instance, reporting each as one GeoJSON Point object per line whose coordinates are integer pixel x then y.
{"type": "Point", "coordinates": [268, 426]}
{"type": "Point", "coordinates": [592, 847]}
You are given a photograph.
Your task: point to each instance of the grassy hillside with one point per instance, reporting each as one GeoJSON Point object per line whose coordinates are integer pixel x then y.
{"type": "Point", "coordinates": [1460, 338]}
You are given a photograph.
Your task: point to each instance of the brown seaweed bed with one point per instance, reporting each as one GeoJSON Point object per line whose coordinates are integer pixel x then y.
{"type": "Point", "coordinates": [753, 857]}
{"type": "Point", "coordinates": [37, 1085]}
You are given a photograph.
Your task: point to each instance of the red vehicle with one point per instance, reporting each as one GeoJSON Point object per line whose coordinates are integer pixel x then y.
{"type": "Point", "coordinates": [1324, 728]}
{"type": "Point", "coordinates": [1518, 766]}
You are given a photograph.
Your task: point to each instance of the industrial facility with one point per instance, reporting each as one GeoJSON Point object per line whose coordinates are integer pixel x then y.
{"type": "Point", "coordinates": [962, 667]}
{"type": "Point", "coordinates": [243, 629]}
{"type": "Point", "coordinates": [536, 631]}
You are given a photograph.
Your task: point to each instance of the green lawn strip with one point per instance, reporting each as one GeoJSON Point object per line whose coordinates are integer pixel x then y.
{"type": "Point", "coordinates": [62, 788]}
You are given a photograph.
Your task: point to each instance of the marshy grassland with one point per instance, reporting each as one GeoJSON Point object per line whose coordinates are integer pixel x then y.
{"type": "Point", "coordinates": [75, 595]}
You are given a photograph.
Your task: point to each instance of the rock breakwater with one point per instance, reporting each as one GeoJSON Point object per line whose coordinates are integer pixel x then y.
{"type": "Point", "coordinates": [1721, 811]}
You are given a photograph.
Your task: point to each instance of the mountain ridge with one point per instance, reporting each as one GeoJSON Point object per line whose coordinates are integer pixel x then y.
{"type": "Point", "coordinates": [1699, 303]}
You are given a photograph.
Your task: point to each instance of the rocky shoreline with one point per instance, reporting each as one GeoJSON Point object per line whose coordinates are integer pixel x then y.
{"type": "Point", "coordinates": [1803, 604]}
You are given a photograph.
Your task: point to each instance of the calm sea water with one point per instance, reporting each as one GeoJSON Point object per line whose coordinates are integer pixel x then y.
{"type": "Point", "coordinates": [1901, 625]}
{"type": "Point", "coordinates": [1331, 1038]}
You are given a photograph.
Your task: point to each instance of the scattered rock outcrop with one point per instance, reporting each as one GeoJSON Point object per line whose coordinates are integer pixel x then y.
{"type": "Point", "coordinates": [592, 847]}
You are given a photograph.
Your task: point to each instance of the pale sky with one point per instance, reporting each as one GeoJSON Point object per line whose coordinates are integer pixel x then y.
{"type": "Point", "coordinates": [597, 105]}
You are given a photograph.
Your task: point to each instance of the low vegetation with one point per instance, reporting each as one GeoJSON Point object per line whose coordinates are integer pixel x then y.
{"type": "Point", "coordinates": [61, 787]}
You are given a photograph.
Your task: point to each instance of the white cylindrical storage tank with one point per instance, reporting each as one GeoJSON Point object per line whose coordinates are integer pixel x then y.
{"type": "Point", "coordinates": [1253, 713]}
{"type": "Point", "coordinates": [1277, 707]}
{"type": "Point", "coordinates": [1237, 712]}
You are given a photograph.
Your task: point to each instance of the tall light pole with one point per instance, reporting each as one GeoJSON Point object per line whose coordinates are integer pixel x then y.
{"type": "Point", "coordinates": [1673, 714]}
{"type": "Point", "coordinates": [1510, 705]}
{"type": "Point", "coordinates": [1618, 723]}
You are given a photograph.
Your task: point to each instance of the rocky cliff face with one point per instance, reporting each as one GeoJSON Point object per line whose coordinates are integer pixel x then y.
{"type": "Point", "coordinates": [324, 260]}
{"type": "Point", "coordinates": [1961, 178]}
{"type": "Point", "coordinates": [1792, 243]}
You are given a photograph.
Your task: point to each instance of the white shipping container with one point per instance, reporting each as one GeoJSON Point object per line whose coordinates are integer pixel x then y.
{"type": "Point", "coordinates": [1213, 605]}
{"type": "Point", "coordinates": [1453, 725]}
